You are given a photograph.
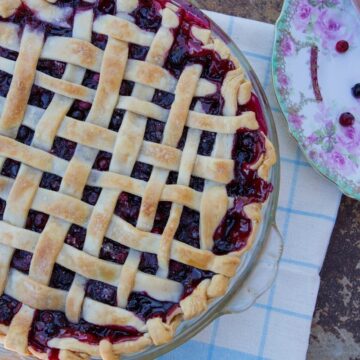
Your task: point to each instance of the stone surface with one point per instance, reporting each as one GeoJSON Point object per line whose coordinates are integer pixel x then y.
{"type": "Point", "coordinates": [336, 324]}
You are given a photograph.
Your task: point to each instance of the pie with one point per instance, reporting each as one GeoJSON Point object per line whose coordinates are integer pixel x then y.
{"type": "Point", "coordinates": [134, 166]}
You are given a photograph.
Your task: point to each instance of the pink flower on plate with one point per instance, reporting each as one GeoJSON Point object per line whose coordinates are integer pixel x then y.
{"type": "Point", "coordinates": [329, 27]}
{"type": "Point", "coordinates": [337, 161]}
{"type": "Point", "coordinates": [313, 138]}
{"type": "Point", "coordinates": [287, 46]}
{"type": "Point", "coordinates": [282, 78]}
{"type": "Point", "coordinates": [304, 12]}
{"type": "Point", "coordinates": [295, 120]}
{"type": "Point", "coordinates": [349, 138]}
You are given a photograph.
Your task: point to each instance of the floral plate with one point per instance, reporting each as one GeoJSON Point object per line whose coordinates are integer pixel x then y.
{"type": "Point", "coordinates": [313, 82]}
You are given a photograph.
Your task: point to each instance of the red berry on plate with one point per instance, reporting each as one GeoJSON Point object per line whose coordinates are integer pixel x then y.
{"type": "Point", "coordinates": [346, 119]}
{"type": "Point", "coordinates": [342, 46]}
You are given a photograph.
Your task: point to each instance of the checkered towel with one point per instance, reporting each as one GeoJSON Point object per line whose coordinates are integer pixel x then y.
{"type": "Point", "coordinates": [278, 325]}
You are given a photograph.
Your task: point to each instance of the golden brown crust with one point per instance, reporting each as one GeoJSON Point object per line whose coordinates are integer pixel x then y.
{"type": "Point", "coordinates": [23, 78]}
{"type": "Point", "coordinates": [48, 12]}
{"type": "Point", "coordinates": [184, 93]}
{"type": "Point", "coordinates": [9, 37]}
{"type": "Point", "coordinates": [125, 347]}
{"type": "Point", "coordinates": [214, 205]}
{"type": "Point", "coordinates": [8, 7]}
{"type": "Point", "coordinates": [196, 302]}
{"type": "Point", "coordinates": [17, 335]}
{"type": "Point", "coordinates": [73, 51]}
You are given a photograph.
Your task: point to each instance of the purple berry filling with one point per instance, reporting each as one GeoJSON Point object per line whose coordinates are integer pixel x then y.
{"type": "Point", "coordinates": [102, 161]}
{"type": "Point", "coordinates": [234, 230]}
{"type": "Point", "coordinates": [197, 183]}
{"type": "Point", "coordinates": [163, 99]}
{"type": "Point", "coordinates": [50, 181]}
{"type": "Point", "coordinates": [51, 67]}
{"type": "Point", "coordinates": [148, 263]}
{"type": "Point", "coordinates": [8, 54]}
{"type": "Point", "coordinates": [25, 135]}
{"type": "Point", "coordinates": [21, 261]}
{"type": "Point", "coordinates": [147, 15]}
{"type": "Point", "coordinates": [141, 171]}
{"type": "Point", "coordinates": [116, 120]}
{"type": "Point", "coordinates": [145, 307]}
{"type": "Point", "coordinates": [126, 88]}
{"type": "Point", "coordinates": [102, 292]}
{"type": "Point", "coordinates": [8, 308]}
{"type": "Point", "coordinates": [189, 276]}
{"type": "Point", "coordinates": [91, 79]}
{"type": "Point", "coordinates": [99, 40]}
{"type": "Point", "coordinates": [91, 194]}
{"type": "Point", "coordinates": [172, 178]}
{"type": "Point", "coordinates": [76, 236]}
{"type": "Point", "coordinates": [2, 208]}
{"type": "Point", "coordinates": [154, 131]}
{"type": "Point", "coordinates": [79, 110]}
{"type": "Point", "coordinates": [188, 230]}
{"type": "Point", "coordinates": [10, 168]}
{"type": "Point", "coordinates": [137, 52]}
{"type": "Point", "coordinates": [207, 142]}
{"type": "Point", "coordinates": [5, 81]}
{"type": "Point", "coordinates": [248, 147]}
{"type": "Point", "coordinates": [105, 7]}
{"type": "Point", "coordinates": [182, 140]}
{"type": "Point", "coordinates": [40, 97]}
{"type": "Point", "coordinates": [61, 278]}
{"type": "Point", "coordinates": [161, 217]}
{"type": "Point", "coordinates": [128, 207]}
{"type": "Point", "coordinates": [47, 325]}
{"type": "Point", "coordinates": [63, 148]}
{"type": "Point", "coordinates": [113, 251]}
{"type": "Point", "coordinates": [36, 221]}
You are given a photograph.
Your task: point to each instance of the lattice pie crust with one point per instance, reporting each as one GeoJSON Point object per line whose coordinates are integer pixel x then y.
{"type": "Point", "coordinates": [127, 146]}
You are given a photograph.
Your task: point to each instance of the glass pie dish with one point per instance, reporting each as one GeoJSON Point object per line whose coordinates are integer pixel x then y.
{"type": "Point", "coordinates": [259, 265]}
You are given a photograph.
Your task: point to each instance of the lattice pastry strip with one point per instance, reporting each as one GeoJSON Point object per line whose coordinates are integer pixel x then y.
{"type": "Point", "coordinates": [173, 129]}
{"type": "Point", "coordinates": [186, 167]}
{"type": "Point", "coordinates": [128, 143]}
{"type": "Point", "coordinates": [53, 116]}
{"type": "Point", "coordinates": [12, 115]}
{"type": "Point", "coordinates": [19, 92]}
{"type": "Point", "coordinates": [27, 182]}
{"type": "Point", "coordinates": [113, 62]}
{"type": "Point", "coordinates": [55, 231]}
{"type": "Point", "coordinates": [132, 131]}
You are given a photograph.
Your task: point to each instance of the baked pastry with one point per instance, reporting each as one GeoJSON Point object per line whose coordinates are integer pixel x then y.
{"type": "Point", "coordinates": [134, 165]}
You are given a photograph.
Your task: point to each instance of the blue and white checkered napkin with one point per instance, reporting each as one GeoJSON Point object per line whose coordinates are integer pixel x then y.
{"type": "Point", "coordinates": [278, 325]}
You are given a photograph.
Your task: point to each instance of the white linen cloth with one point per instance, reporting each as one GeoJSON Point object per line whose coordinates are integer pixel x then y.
{"type": "Point", "coordinates": [278, 325]}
